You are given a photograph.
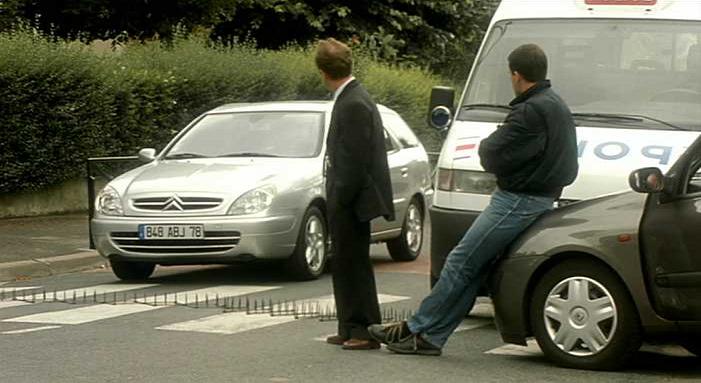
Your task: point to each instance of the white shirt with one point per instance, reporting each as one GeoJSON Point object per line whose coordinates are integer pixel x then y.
{"type": "Point", "coordinates": [342, 87]}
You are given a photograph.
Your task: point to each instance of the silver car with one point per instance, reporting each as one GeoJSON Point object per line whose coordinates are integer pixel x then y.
{"type": "Point", "coordinates": [244, 182]}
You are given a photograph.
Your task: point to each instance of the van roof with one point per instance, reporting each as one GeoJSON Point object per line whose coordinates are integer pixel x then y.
{"type": "Point", "coordinates": [628, 9]}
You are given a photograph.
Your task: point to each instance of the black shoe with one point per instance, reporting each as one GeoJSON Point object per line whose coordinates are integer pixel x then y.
{"type": "Point", "coordinates": [393, 332]}
{"type": "Point", "coordinates": [414, 345]}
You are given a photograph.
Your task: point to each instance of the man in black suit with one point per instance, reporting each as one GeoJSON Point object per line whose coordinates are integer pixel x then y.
{"type": "Point", "coordinates": [358, 189]}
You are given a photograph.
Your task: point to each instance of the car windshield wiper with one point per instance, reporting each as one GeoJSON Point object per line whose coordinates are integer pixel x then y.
{"type": "Point", "coordinates": [506, 108]}
{"type": "Point", "coordinates": [248, 154]}
{"type": "Point", "coordinates": [184, 155]}
{"type": "Point", "coordinates": [623, 118]}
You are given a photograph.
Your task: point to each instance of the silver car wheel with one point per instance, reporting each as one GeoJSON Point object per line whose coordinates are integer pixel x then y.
{"type": "Point", "coordinates": [580, 316]}
{"type": "Point", "coordinates": [315, 240]}
{"type": "Point", "coordinates": [414, 229]}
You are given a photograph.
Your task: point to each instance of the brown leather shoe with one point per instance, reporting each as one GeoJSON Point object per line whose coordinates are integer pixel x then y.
{"type": "Point", "coordinates": [360, 344]}
{"type": "Point", "coordinates": [336, 339]}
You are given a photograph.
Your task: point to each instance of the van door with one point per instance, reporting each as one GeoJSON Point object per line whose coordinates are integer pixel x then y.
{"type": "Point", "coordinates": [671, 240]}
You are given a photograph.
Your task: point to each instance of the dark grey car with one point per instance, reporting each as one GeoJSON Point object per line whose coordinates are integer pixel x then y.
{"type": "Point", "coordinates": [592, 280]}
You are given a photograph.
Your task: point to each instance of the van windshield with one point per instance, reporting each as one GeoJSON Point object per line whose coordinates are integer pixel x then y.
{"type": "Point", "coordinates": [622, 69]}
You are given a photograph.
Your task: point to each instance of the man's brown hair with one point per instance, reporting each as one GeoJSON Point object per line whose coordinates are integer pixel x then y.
{"type": "Point", "coordinates": [334, 58]}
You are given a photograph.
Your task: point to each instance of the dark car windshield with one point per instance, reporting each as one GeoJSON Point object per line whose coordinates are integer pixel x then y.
{"type": "Point", "coordinates": [602, 67]}
{"type": "Point", "coordinates": [254, 134]}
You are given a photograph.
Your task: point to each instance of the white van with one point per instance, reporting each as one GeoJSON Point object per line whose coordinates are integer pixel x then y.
{"type": "Point", "coordinates": [630, 71]}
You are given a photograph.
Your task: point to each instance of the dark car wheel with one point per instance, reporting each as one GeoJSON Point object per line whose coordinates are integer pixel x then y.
{"type": "Point", "coordinates": [407, 246]}
{"type": "Point", "coordinates": [130, 271]}
{"type": "Point", "coordinates": [583, 317]}
{"type": "Point", "coordinates": [692, 344]}
{"type": "Point", "coordinates": [311, 253]}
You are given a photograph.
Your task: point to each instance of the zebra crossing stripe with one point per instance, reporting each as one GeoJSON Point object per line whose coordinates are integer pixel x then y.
{"type": "Point", "coordinates": [9, 290]}
{"type": "Point", "coordinates": [534, 350]}
{"type": "Point", "coordinates": [201, 295]}
{"type": "Point", "coordinates": [515, 350]}
{"type": "Point", "coordinates": [26, 330]}
{"type": "Point", "coordinates": [5, 304]}
{"type": "Point", "coordinates": [94, 313]}
{"type": "Point", "coordinates": [84, 314]}
{"type": "Point", "coordinates": [228, 323]}
{"type": "Point", "coordinates": [473, 323]}
{"type": "Point", "coordinates": [233, 323]}
{"type": "Point", "coordinates": [90, 291]}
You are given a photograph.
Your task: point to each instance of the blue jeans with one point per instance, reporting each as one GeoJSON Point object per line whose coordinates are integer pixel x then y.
{"type": "Point", "coordinates": [507, 215]}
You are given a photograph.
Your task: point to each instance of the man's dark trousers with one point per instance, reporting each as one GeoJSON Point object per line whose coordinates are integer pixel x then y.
{"type": "Point", "coordinates": [353, 279]}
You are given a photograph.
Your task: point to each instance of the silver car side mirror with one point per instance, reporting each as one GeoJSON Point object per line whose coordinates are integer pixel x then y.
{"type": "Point", "coordinates": [147, 154]}
{"type": "Point", "coordinates": [647, 180]}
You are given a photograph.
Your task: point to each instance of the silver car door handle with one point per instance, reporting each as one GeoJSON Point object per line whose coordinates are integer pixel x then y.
{"type": "Point", "coordinates": [404, 171]}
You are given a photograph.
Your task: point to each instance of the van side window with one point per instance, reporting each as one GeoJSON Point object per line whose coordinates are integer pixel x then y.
{"type": "Point", "coordinates": [401, 130]}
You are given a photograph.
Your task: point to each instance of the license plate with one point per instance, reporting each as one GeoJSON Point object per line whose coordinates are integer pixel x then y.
{"type": "Point", "coordinates": [182, 231]}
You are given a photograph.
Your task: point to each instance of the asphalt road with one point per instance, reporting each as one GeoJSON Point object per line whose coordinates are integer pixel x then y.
{"type": "Point", "coordinates": [139, 334]}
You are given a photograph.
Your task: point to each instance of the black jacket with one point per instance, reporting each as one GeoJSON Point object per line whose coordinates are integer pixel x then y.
{"type": "Point", "coordinates": [357, 174]}
{"type": "Point", "coordinates": [535, 150]}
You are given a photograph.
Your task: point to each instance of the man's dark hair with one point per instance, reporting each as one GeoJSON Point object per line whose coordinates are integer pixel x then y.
{"type": "Point", "coordinates": [334, 58]}
{"type": "Point", "coordinates": [530, 61]}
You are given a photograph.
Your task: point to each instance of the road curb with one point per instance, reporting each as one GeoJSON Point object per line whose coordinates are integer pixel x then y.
{"type": "Point", "coordinates": [44, 267]}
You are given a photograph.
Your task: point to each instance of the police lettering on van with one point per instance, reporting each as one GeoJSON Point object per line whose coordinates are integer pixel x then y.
{"type": "Point", "coordinates": [630, 71]}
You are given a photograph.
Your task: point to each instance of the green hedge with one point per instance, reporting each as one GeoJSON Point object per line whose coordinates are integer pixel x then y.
{"type": "Point", "coordinates": [62, 102]}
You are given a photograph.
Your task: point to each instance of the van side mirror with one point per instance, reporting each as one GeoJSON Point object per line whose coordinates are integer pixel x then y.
{"type": "Point", "coordinates": [440, 109]}
{"type": "Point", "coordinates": [647, 180]}
{"type": "Point", "coordinates": [147, 154]}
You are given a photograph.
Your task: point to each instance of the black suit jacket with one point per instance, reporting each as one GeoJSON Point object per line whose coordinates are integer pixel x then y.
{"type": "Point", "coordinates": [357, 174]}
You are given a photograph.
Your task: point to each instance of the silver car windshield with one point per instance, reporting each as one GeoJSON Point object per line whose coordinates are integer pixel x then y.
{"type": "Point", "coordinates": [255, 134]}
{"type": "Point", "coordinates": [642, 74]}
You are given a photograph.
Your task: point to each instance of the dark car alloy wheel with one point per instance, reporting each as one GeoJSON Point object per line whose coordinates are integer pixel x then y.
{"type": "Point", "coordinates": [129, 271]}
{"type": "Point", "coordinates": [311, 253]}
{"type": "Point", "coordinates": [408, 245]}
{"type": "Point", "coordinates": [583, 317]}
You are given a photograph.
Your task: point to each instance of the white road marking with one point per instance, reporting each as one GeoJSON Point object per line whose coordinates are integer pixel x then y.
{"type": "Point", "coordinates": [228, 323]}
{"type": "Point", "coordinates": [512, 349]}
{"type": "Point", "coordinates": [473, 323]}
{"type": "Point", "coordinates": [233, 323]}
{"type": "Point", "coordinates": [93, 313]}
{"type": "Point", "coordinates": [5, 304]}
{"type": "Point", "coordinates": [201, 295]}
{"type": "Point", "coordinates": [9, 290]}
{"type": "Point", "coordinates": [534, 350]}
{"type": "Point", "coordinates": [84, 314]}
{"type": "Point", "coordinates": [26, 330]}
{"type": "Point", "coordinates": [98, 292]}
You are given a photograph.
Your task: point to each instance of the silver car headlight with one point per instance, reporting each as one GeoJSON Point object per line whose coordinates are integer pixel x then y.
{"type": "Point", "coordinates": [466, 181]}
{"type": "Point", "coordinates": [254, 201]}
{"type": "Point", "coordinates": [108, 202]}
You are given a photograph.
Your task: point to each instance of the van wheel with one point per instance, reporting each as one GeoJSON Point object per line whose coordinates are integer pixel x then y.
{"type": "Point", "coordinates": [407, 246]}
{"type": "Point", "coordinates": [130, 271]}
{"type": "Point", "coordinates": [311, 253]}
{"type": "Point", "coordinates": [583, 317]}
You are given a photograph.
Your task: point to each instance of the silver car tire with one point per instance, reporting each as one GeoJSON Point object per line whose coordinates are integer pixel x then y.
{"type": "Point", "coordinates": [407, 246]}
{"type": "Point", "coordinates": [583, 317]}
{"type": "Point", "coordinates": [309, 258]}
{"type": "Point", "coordinates": [131, 271]}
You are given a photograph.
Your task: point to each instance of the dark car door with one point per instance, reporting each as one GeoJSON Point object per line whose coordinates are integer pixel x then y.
{"type": "Point", "coordinates": [671, 240]}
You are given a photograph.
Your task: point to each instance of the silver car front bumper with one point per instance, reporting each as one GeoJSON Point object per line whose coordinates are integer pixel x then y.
{"type": "Point", "coordinates": [227, 239]}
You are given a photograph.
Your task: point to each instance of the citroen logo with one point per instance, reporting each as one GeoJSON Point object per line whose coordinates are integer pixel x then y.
{"type": "Point", "coordinates": [173, 203]}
